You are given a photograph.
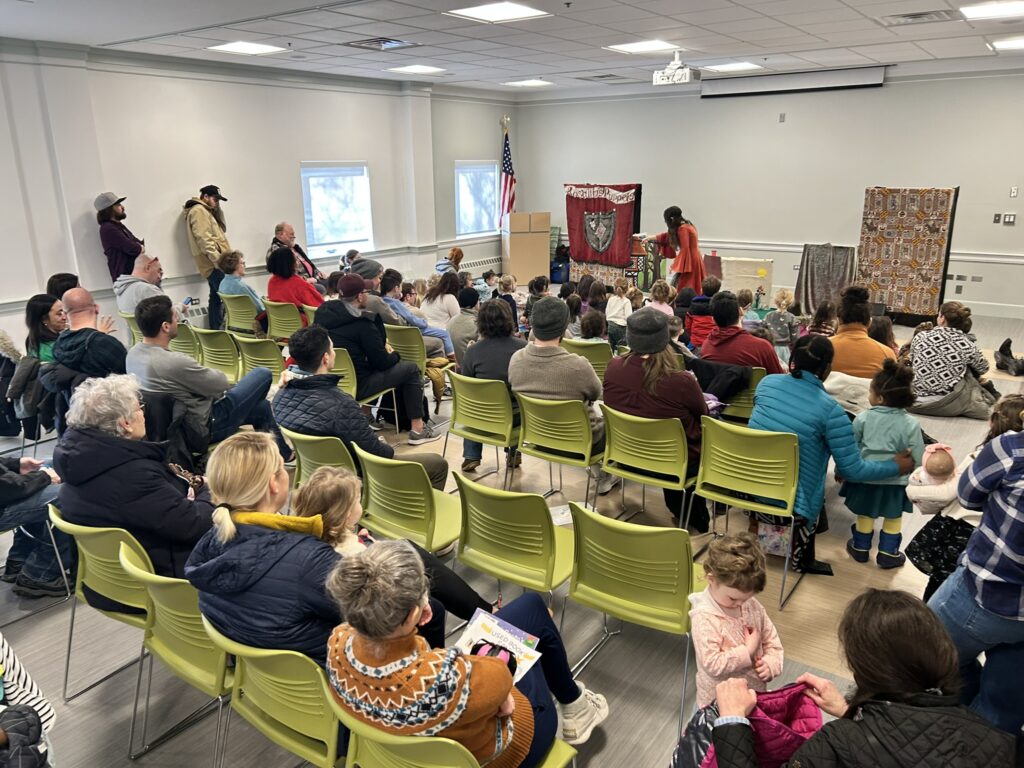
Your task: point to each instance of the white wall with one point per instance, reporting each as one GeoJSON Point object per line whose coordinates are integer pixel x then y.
{"type": "Point", "coordinates": [755, 186]}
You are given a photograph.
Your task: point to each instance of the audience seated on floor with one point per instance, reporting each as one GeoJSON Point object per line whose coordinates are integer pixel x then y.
{"type": "Point", "coordinates": [387, 677]}
{"type": "Point", "coordinates": [260, 574]}
{"type": "Point", "coordinates": [698, 321]}
{"type": "Point", "coordinates": [462, 328]}
{"type": "Point", "coordinates": [856, 353]}
{"type": "Point", "coordinates": [214, 407]}
{"type": "Point", "coordinates": [729, 343]}
{"type": "Point", "coordinates": [309, 402]}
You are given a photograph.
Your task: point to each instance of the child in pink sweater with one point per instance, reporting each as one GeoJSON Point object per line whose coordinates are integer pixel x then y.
{"type": "Point", "coordinates": [732, 634]}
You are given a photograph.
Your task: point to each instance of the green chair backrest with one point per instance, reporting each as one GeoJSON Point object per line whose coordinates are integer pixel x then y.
{"type": "Point", "coordinates": [241, 313]}
{"type": "Point", "coordinates": [313, 452]}
{"type": "Point", "coordinates": [597, 354]}
{"type": "Point", "coordinates": [555, 430]}
{"type": "Point", "coordinates": [649, 451]}
{"type": "Point", "coordinates": [408, 343]}
{"type": "Point", "coordinates": [176, 634]}
{"type": "Point", "coordinates": [507, 535]}
{"type": "Point", "coordinates": [260, 353]}
{"type": "Point", "coordinates": [748, 467]}
{"type": "Point", "coordinates": [398, 500]}
{"type": "Point", "coordinates": [283, 319]}
{"type": "Point", "coordinates": [187, 342]}
{"type": "Point", "coordinates": [285, 696]}
{"type": "Point", "coordinates": [219, 352]}
{"type": "Point", "coordinates": [741, 406]}
{"type": "Point", "coordinates": [344, 368]}
{"type": "Point", "coordinates": [310, 313]}
{"type": "Point", "coordinates": [481, 410]}
{"type": "Point", "coordinates": [622, 350]}
{"type": "Point", "coordinates": [99, 567]}
{"type": "Point", "coordinates": [133, 327]}
{"type": "Point", "coordinates": [638, 573]}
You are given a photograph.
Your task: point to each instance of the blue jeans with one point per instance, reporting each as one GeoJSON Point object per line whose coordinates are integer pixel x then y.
{"type": "Point", "coordinates": [551, 677]}
{"type": "Point", "coordinates": [216, 316]}
{"type": "Point", "coordinates": [442, 334]}
{"type": "Point", "coordinates": [32, 545]}
{"type": "Point", "coordinates": [472, 450]}
{"type": "Point", "coordinates": [993, 691]}
{"type": "Point", "coordinates": [246, 403]}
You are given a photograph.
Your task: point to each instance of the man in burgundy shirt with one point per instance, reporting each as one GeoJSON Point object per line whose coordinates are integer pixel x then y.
{"type": "Point", "coordinates": [729, 343]}
{"type": "Point", "coordinates": [120, 246]}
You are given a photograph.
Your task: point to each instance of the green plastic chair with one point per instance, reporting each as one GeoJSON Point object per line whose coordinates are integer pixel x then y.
{"type": "Point", "coordinates": [647, 451]}
{"type": "Point", "coordinates": [283, 319]}
{"type": "Point", "coordinates": [313, 452]}
{"type": "Point", "coordinates": [344, 368]}
{"type": "Point", "coordinates": [597, 354]}
{"type": "Point", "coordinates": [133, 327]}
{"type": "Point", "coordinates": [408, 343]}
{"type": "Point", "coordinates": [741, 406]}
{"type": "Point", "coordinates": [174, 633]}
{"type": "Point", "coordinates": [637, 573]}
{"type": "Point", "coordinates": [241, 314]}
{"type": "Point", "coordinates": [99, 568]}
{"type": "Point", "coordinates": [369, 747]}
{"type": "Point", "coordinates": [260, 353]}
{"type": "Point", "coordinates": [482, 411]}
{"type": "Point", "coordinates": [310, 313]}
{"type": "Point", "coordinates": [187, 342]}
{"type": "Point", "coordinates": [557, 431]}
{"type": "Point", "coordinates": [220, 352]}
{"type": "Point", "coordinates": [399, 503]}
{"type": "Point", "coordinates": [622, 350]}
{"type": "Point", "coordinates": [511, 537]}
{"type": "Point", "coordinates": [751, 469]}
{"type": "Point", "coordinates": [285, 696]}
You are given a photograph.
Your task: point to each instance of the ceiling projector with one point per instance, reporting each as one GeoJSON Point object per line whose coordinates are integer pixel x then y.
{"type": "Point", "coordinates": [676, 73]}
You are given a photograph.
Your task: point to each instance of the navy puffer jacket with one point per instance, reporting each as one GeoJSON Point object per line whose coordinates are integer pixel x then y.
{"type": "Point", "coordinates": [265, 588]}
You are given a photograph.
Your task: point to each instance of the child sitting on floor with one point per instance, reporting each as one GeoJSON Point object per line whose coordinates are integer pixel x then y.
{"type": "Point", "coordinates": [824, 321]}
{"type": "Point", "coordinates": [660, 297]}
{"type": "Point", "coordinates": [782, 323]}
{"type": "Point", "coordinates": [732, 634]}
{"type": "Point", "coordinates": [749, 319]}
{"type": "Point", "coordinates": [937, 468]}
{"type": "Point", "coordinates": [883, 431]}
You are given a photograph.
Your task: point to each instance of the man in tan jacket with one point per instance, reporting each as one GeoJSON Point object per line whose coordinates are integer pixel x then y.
{"type": "Point", "coordinates": [204, 221]}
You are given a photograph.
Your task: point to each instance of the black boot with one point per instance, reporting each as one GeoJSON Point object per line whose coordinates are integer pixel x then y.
{"type": "Point", "coordinates": [1004, 355]}
{"type": "Point", "coordinates": [809, 564]}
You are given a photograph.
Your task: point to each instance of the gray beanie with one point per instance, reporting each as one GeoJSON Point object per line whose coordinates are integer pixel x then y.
{"type": "Point", "coordinates": [647, 331]}
{"type": "Point", "coordinates": [549, 318]}
{"type": "Point", "coordinates": [367, 269]}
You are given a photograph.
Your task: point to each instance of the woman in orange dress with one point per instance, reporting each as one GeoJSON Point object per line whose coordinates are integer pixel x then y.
{"type": "Point", "coordinates": [679, 244]}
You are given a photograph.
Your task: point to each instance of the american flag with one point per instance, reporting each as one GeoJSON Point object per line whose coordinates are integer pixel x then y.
{"type": "Point", "coordinates": [508, 181]}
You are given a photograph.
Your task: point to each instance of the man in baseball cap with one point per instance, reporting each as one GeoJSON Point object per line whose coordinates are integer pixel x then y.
{"type": "Point", "coordinates": [120, 246]}
{"type": "Point", "coordinates": [206, 228]}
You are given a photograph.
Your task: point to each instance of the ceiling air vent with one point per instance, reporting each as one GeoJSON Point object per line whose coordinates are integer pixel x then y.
{"type": "Point", "coordinates": [609, 79]}
{"type": "Point", "coordinates": [381, 44]}
{"type": "Point", "coordinates": [921, 17]}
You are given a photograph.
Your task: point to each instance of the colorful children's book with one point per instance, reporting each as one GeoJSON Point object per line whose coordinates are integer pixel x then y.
{"type": "Point", "coordinates": [485, 627]}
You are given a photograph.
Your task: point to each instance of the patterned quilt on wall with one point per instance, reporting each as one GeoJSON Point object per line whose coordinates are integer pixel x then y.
{"type": "Point", "coordinates": [825, 269]}
{"type": "Point", "coordinates": [904, 247]}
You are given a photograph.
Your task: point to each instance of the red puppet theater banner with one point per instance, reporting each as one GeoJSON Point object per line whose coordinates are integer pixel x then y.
{"type": "Point", "coordinates": [601, 220]}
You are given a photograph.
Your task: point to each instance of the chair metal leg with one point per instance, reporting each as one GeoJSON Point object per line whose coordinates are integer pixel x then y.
{"type": "Point", "coordinates": [551, 491]}
{"type": "Point", "coordinates": [589, 655]}
{"type": "Point", "coordinates": [686, 679]}
{"type": "Point", "coordinates": [67, 663]}
{"type": "Point", "coordinates": [444, 451]}
{"type": "Point", "coordinates": [207, 709]}
{"type": "Point", "coordinates": [224, 739]}
{"type": "Point", "coordinates": [135, 704]}
{"type": "Point", "coordinates": [783, 597]}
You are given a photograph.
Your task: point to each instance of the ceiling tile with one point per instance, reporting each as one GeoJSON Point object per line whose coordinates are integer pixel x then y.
{"type": "Point", "coordinates": [957, 47]}
{"type": "Point", "coordinates": [178, 41]}
{"type": "Point", "coordinates": [324, 36]}
{"type": "Point", "coordinates": [782, 7]}
{"type": "Point", "coordinates": [700, 18]}
{"type": "Point", "coordinates": [833, 57]}
{"type": "Point", "coordinates": [653, 26]}
{"type": "Point", "coordinates": [293, 43]}
{"type": "Point", "coordinates": [383, 10]}
{"type": "Point", "coordinates": [431, 38]}
{"type": "Point", "coordinates": [381, 29]}
{"type": "Point", "coordinates": [858, 37]}
{"type": "Point", "coordinates": [227, 34]}
{"type": "Point", "coordinates": [745, 25]}
{"type": "Point", "coordinates": [673, 7]}
{"type": "Point", "coordinates": [893, 52]}
{"type": "Point", "coordinates": [769, 35]}
{"type": "Point", "coordinates": [612, 14]}
{"type": "Point", "coordinates": [323, 18]}
{"type": "Point", "coordinates": [833, 27]}
{"type": "Point", "coordinates": [470, 45]}
{"type": "Point", "coordinates": [820, 17]}
{"type": "Point", "coordinates": [157, 49]}
{"type": "Point", "coordinates": [876, 9]}
{"type": "Point", "coordinates": [274, 27]}
{"type": "Point", "coordinates": [934, 31]}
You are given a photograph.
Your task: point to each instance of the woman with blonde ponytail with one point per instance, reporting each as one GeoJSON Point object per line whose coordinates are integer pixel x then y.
{"type": "Point", "coordinates": [260, 573]}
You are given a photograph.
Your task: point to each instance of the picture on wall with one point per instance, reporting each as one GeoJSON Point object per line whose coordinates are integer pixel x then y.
{"type": "Point", "coordinates": [601, 220]}
{"type": "Point", "coordinates": [904, 248]}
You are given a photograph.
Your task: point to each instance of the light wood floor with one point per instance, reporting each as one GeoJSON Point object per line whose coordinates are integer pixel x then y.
{"type": "Point", "coordinates": [640, 671]}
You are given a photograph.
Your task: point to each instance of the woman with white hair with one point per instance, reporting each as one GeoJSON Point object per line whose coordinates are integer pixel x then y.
{"type": "Point", "coordinates": [114, 477]}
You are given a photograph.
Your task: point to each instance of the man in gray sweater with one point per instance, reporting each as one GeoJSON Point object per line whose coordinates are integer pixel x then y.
{"type": "Point", "coordinates": [212, 406]}
{"type": "Point", "coordinates": [545, 370]}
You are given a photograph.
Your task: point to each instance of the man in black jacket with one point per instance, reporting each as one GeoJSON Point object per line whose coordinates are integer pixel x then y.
{"type": "Point", "coordinates": [310, 403]}
{"type": "Point", "coordinates": [83, 348]}
{"type": "Point", "coordinates": [26, 488]}
{"type": "Point", "coordinates": [377, 367]}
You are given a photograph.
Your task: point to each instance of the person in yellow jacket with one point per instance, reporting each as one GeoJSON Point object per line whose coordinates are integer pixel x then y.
{"type": "Point", "coordinates": [204, 221]}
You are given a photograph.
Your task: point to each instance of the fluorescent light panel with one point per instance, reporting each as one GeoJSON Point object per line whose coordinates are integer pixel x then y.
{"type": "Point", "coordinates": [533, 83]}
{"type": "Point", "coordinates": [1004, 10]}
{"type": "Point", "coordinates": [1009, 44]}
{"type": "Point", "coordinates": [498, 13]}
{"type": "Point", "coordinates": [246, 49]}
{"type": "Point", "coordinates": [736, 66]}
{"type": "Point", "coordinates": [645, 46]}
{"type": "Point", "coordinates": [417, 69]}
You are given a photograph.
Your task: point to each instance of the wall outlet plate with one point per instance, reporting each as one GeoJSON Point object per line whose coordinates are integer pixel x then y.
{"type": "Point", "coordinates": [997, 218]}
{"type": "Point", "coordinates": [1009, 219]}
{"type": "Point", "coordinates": [1013, 191]}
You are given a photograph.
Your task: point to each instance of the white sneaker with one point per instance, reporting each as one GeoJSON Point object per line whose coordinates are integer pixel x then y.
{"type": "Point", "coordinates": [582, 716]}
{"type": "Point", "coordinates": [607, 482]}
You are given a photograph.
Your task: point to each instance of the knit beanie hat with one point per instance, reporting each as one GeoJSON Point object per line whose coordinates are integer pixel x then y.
{"type": "Point", "coordinates": [646, 331]}
{"type": "Point", "coordinates": [367, 268]}
{"type": "Point", "coordinates": [351, 285]}
{"type": "Point", "coordinates": [549, 318]}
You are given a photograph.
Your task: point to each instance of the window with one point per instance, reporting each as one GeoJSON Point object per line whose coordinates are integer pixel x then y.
{"type": "Point", "coordinates": [476, 198]}
{"type": "Point", "coordinates": [336, 198]}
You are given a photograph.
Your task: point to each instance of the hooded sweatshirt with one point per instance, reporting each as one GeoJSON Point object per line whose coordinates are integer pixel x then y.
{"type": "Point", "coordinates": [130, 290]}
{"type": "Point", "coordinates": [90, 352]}
{"type": "Point", "coordinates": [735, 346]}
{"type": "Point", "coordinates": [698, 321]}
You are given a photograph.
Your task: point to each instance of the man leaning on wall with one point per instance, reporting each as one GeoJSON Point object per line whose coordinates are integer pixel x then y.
{"type": "Point", "coordinates": [204, 222]}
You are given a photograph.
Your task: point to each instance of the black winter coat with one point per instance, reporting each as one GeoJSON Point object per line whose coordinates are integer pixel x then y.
{"type": "Point", "coordinates": [90, 352]}
{"type": "Point", "coordinates": [15, 486]}
{"type": "Point", "coordinates": [722, 380]}
{"type": "Point", "coordinates": [359, 335]}
{"type": "Point", "coordinates": [928, 732]}
{"type": "Point", "coordinates": [315, 406]}
{"type": "Point", "coordinates": [114, 482]}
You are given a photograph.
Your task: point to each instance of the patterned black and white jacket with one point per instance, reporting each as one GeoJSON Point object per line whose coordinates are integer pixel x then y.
{"type": "Point", "coordinates": [941, 358]}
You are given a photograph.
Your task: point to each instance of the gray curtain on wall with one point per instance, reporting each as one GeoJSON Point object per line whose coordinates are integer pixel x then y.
{"type": "Point", "coordinates": [824, 271]}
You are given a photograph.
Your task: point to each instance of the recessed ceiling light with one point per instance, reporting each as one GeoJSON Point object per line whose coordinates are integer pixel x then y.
{"type": "Point", "coordinates": [1009, 44]}
{"type": "Point", "coordinates": [416, 69]}
{"type": "Point", "coordinates": [534, 83]}
{"type": "Point", "coordinates": [736, 66]}
{"type": "Point", "coordinates": [1004, 10]}
{"type": "Point", "coordinates": [246, 49]}
{"type": "Point", "coordinates": [646, 46]}
{"type": "Point", "coordinates": [498, 13]}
